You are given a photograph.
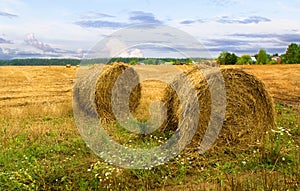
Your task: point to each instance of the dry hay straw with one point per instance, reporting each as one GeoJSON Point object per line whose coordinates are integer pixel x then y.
{"type": "Point", "coordinates": [104, 90]}
{"type": "Point", "coordinates": [84, 91]}
{"type": "Point", "coordinates": [249, 109]}
{"type": "Point", "coordinates": [92, 92]}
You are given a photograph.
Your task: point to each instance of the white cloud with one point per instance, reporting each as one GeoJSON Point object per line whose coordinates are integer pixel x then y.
{"type": "Point", "coordinates": [117, 48]}
{"type": "Point", "coordinates": [4, 51]}
{"type": "Point", "coordinates": [32, 41]}
{"type": "Point", "coordinates": [10, 8]}
{"type": "Point", "coordinates": [96, 15]}
{"type": "Point", "coordinates": [132, 53]}
{"type": "Point", "coordinates": [246, 20]}
{"type": "Point", "coordinates": [8, 15]}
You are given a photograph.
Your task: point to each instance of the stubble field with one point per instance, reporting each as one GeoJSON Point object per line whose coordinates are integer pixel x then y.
{"type": "Point", "coordinates": [44, 85]}
{"type": "Point", "coordinates": [41, 148]}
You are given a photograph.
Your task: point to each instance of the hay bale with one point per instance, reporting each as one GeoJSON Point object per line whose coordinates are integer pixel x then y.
{"type": "Point", "coordinates": [110, 80]}
{"type": "Point", "coordinates": [249, 109]}
{"type": "Point", "coordinates": [84, 91]}
{"type": "Point", "coordinates": [68, 66]}
{"type": "Point", "coordinates": [93, 91]}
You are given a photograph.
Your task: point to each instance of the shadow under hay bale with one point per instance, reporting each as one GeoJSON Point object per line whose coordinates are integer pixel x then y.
{"type": "Point", "coordinates": [110, 80]}
{"type": "Point", "coordinates": [249, 109]}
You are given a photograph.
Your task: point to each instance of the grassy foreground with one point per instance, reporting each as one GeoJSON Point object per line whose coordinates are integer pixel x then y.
{"type": "Point", "coordinates": [41, 149]}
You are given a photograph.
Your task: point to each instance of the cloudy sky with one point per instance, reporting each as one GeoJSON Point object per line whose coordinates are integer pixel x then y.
{"type": "Point", "coordinates": [70, 28]}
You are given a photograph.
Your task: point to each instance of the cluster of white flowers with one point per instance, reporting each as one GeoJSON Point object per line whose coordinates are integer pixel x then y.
{"type": "Point", "coordinates": [103, 171]}
{"type": "Point", "coordinates": [281, 131]}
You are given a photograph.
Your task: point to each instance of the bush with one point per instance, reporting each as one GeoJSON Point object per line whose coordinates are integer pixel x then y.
{"type": "Point", "coordinates": [245, 59]}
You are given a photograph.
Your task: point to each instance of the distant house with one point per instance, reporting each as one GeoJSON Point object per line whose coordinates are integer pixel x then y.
{"type": "Point", "coordinates": [253, 59]}
{"type": "Point", "coordinates": [277, 59]}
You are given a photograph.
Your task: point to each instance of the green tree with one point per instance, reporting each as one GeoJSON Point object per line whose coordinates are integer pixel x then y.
{"type": "Point", "coordinates": [245, 59]}
{"type": "Point", "coordinates": [133, 62]}
{"type": "Point", "coordinates": [189, 61]}
{"type": "Point", "coordinates": [262, 57]}
{"type": "Point", "coordinates": [226, 58]}
{"type": "Point", "coordinates": [292, 55]}
{"type": "Point", "coordinates": [283, 58]}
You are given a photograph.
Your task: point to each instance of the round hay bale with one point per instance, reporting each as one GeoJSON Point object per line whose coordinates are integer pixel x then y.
{"type": "Point", "coordinates": [84, 90]}
{"type": "Point", "coordinates": [105, 85]}
{"type": "Point", "coordinates": [249, 109]}
{"type": "Point", "coordinates": [68, 66]}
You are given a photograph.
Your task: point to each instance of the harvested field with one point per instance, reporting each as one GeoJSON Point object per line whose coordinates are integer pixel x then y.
{"type": "Point", "coordinates": [26, 85]}
{"type": "Point", "coordinates": [41, 147]}
{"type": "Point", "coordinates": [35, 86]}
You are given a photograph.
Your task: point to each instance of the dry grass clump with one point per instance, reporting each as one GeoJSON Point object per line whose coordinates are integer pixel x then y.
{"type": "Point", "coordinates": [249, 108]}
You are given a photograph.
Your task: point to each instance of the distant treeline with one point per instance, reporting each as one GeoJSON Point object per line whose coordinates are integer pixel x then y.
{"type": "Point", "coordinates": [291, 56]}
{"type": "Point", "coordinates": [39, 62]}
{"type": "Point", "coordinates": [151, 61]}
{"type": "Point", "coordinates": [74, 62]}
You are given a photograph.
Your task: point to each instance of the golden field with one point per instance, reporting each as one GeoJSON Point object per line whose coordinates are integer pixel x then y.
{"type": "Point", "coordinates": [47, 86]}
{"type": "Point", "coordinates": [41, 148]}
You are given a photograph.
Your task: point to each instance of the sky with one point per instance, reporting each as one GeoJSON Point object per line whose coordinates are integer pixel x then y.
{"type": "Point", "coordinates": [69, 29]}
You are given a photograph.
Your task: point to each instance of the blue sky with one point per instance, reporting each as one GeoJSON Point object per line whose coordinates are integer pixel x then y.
{"type": "Point", "coordinates": [70, 28]}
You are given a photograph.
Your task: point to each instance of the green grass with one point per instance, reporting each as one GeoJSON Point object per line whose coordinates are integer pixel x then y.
{"type": "Point", "coordinates": [47, 153]}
